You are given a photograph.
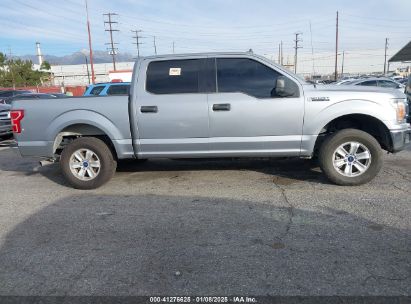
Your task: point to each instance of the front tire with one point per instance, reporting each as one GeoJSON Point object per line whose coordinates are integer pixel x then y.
{"type": "Point", "coordinates": [350, 157]}
{"type": "Point", "coordinates": [87, 163]}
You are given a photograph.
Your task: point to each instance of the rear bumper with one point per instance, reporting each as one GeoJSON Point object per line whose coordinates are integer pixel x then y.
{"type": "Point", "coordinates": [43, 149]}
{"type": "Point", "coordinates": [400, 139]}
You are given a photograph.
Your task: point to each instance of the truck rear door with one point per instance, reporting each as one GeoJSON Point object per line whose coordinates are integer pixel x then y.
{"type": "Point", "coordinates": [171, 108]}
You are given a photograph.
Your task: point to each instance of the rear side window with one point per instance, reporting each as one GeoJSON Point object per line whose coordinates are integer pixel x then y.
{"type": "Point", "coordinates": [387, 84]}
{"type": "Point", "coordinates": [173, 76]}
{"type": "Point", "coordinates": [6, 94]}
{"type": "Point", "coordinates": [96, 90]}
{"type": "Point", "coordinates": [369, 83]}
{"type": "Point", "coordinates": [33, 96]}
{"type": "Point", "coordinates": [118, 89]}
{"type": "Point", "coordinates": [246, 76]}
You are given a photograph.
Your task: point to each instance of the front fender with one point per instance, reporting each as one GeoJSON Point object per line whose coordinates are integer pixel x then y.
{"type": "Point", "coordinates": [317, 116]}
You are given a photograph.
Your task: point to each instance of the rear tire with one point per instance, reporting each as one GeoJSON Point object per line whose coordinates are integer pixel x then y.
{"type": "Point", "coordinates": [350, 157]}
{"type": "Point", "coordinates": [87, 163]}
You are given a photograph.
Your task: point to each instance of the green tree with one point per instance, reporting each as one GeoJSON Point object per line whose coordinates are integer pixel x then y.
{"type": "Point", "coordinates": [19, 73]}
{"type": "Point", "coordinates": [45, 66]}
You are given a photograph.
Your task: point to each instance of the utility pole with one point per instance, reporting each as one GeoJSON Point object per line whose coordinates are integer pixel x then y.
{"type": "Point", "coordinates": [10, 63]}
{"type": "Point", "coordinates": [336, 50]}
{"type": "Point", "coordinates": [385, 56]}
{"type": "Point", "coordinates": [173, 47]}
{"type": "Point", "coordinates": [137, 43]}
{"type": "Point", "coordinates": [154, 44]}
{"type": "Point", "coordinates": [312, 50]}
{"type": "Point", "coordinates": [89, 45]}
{"type": "Point", "coordinates": [282, 54]}
{"type": "Point", "coordinates": [88, 72]}
{"type": "Point", "coordinates": [279, 53]}
{"type": "Point", "coordinates": [112, 50]}
{"type": "Point", "coordinates": [297, 46]}
{"type": "Point", "coordinates": [342, 64]}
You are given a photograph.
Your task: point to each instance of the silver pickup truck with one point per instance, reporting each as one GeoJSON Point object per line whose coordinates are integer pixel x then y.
{"type": "Point", "coordinates": [215, 105]}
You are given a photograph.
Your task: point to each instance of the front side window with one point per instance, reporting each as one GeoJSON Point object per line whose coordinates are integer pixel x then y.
{"type": "Point", "coordinates": [121, 89]}
{"type": "Point", "coordinates": [97, 90]}
{"type": "Point", "coordinates": [248, 76]}
{"type": "Point", "coordinates": [173, 76]}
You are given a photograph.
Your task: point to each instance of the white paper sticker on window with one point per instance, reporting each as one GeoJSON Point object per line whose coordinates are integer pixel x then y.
{"type": "Point", "coordinates": [175, 72]}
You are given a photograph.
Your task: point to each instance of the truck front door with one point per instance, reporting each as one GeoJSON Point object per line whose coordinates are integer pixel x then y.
{"type": "Point", "coordinates": [248, 116]}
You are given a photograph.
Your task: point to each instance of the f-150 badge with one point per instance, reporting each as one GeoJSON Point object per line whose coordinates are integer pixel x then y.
{"type": "Point", "coordinates": [320, 98]}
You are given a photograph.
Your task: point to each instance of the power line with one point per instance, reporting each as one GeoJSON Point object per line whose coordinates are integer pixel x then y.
{"type": "Point", "coordinates": [112, 50]}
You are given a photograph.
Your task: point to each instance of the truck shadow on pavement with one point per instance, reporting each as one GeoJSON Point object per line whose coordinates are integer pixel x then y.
{"type": "Point", "coordinates": [283, 171]}
{"type": "Point", "coordinates": [164, 245]}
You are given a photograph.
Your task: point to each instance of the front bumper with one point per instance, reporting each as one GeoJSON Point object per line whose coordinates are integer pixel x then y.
{"type": "Point", "coordinates": [400, 139]}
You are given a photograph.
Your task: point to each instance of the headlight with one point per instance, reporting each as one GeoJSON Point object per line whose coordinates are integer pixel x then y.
{"type": "Point", "coordinates": [401, 107]}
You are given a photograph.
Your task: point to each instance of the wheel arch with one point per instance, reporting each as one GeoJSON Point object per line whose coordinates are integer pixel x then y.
{"type": "Point", "coordinates": [367, 123]}
{"type": "Point", "coordinates": [80, 123]}
{"type": "Point", "coordinates": [73, 131]}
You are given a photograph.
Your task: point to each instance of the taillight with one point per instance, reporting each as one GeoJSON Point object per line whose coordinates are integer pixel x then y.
{"type": "Point", "coordinates": [16, 118]}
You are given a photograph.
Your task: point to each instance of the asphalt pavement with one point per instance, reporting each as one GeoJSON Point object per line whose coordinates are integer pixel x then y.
{"type": "Point", "coordinates": [207, 227]}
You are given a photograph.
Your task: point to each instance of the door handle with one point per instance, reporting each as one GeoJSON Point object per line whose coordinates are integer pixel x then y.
{"type": "Point", "coordinates": [221, 107]}
{"type": "Point", "coordinates": [148, 109]}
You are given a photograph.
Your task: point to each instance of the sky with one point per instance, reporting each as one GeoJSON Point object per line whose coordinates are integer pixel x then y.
{"type": "Point", "coordinates": [216, 25]}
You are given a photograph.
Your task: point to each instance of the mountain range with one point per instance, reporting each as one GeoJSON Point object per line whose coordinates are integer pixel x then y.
{"type": "Point", "coordinates": [79, 58]}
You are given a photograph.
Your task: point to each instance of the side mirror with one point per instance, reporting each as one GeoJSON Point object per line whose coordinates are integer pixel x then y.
{"type": "Point", "coordinates": [285, 87]}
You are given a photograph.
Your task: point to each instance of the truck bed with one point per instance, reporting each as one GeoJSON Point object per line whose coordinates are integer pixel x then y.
{"type": "Point", "coordinates": [45, 119]}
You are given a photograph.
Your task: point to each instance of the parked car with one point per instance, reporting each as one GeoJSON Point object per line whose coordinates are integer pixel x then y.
{"type": "Point", "coordinates": [33, 96]}
{"type": "Point", "coordinates": [10, 93]}
{"type": "Point", "coordinates": [5, 122]}
{"type": "Point", "coordinates": [108, 89]}
{"type": "Point", "coordinates": [216, 105]}
{"type": "Point", "coordinates": [377, 82]}
{"type": "Point", "coordinates": [345, 81]}
{"type": "Point", "coordinates": [408, 93]}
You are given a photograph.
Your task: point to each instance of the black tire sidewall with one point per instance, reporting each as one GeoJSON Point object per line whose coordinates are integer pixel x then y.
{"type": "Point", "coordinates": [108, 164]}
{"type": "Point", "coordinates": [334, 141]}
